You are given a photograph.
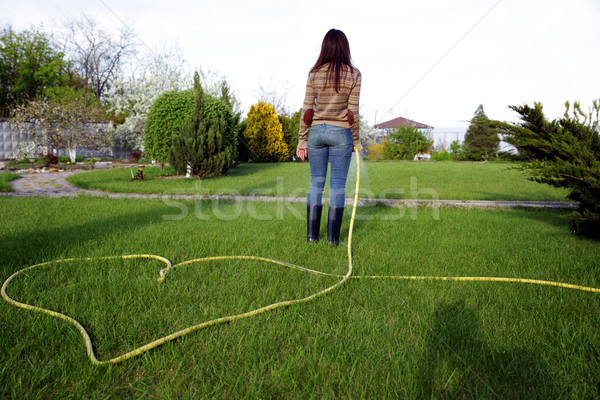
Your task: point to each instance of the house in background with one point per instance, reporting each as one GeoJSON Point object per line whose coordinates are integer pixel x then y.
{"type": "Point", "coordinates": [384, 127]}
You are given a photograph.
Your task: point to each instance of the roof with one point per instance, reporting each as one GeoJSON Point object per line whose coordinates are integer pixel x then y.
{"type": "Point", "coordinates": [398, 122]}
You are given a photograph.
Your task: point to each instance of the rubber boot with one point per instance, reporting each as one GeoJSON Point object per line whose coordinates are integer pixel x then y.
{"type": "Point", "coordinates": [313, 222]}
{"type": "Point", "coordinates": [334, 224]}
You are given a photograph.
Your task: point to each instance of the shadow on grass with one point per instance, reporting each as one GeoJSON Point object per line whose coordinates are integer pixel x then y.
{"type": "Point", "coordinates": [497, 196]}
{"type": "Point", "coordinates": [38, 242]}
{"type": "Point", "coordinates": [460, 363]}
{"type": "Point", "coordinates": [245, 169]}
{"type": "Point", "coordinates": [553, 218]}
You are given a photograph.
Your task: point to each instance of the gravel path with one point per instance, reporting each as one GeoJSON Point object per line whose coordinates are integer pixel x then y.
{"type": "Point", "coordinates": [55, 185]}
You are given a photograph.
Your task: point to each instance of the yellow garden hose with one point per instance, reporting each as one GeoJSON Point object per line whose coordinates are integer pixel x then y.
{"type": "Point", "coordinates": [169, 266]}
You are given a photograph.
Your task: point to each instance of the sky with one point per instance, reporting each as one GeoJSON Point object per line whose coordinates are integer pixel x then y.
{"type": "Point", "coordinates": [432, 61]}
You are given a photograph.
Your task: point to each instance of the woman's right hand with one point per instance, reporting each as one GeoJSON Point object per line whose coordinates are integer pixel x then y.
{"type": "Point", "coordinates": [301, 153]}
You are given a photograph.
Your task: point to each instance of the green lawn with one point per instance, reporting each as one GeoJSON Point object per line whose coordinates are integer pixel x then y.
{"type": "Point", "coordinates": [450, 180]}
{"type": "Point", "coordinates": [369, 339]}
{"type": "Point", "coordinates": [5, 178]}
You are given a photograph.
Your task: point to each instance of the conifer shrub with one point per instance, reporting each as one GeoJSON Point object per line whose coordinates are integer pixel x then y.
{"type": "Point", "coordinates": [264, 134]}
{"type": "Point", "coordinates": [171, 111]}
{"type": "Point", "coordinates": [206, 143]}
{"type": "Point", "coordinates": [562, 153]}
{"type": "Point", "coordinates": [291, 126]}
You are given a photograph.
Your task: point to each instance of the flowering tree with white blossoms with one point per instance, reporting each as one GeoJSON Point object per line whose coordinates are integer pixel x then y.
{"type": "Point", "coordinates": [67, 124]}
{"type": "Point", "coordinates": [28, 149]}
{"type": "Point", "coordinates": [368, 133]}
{"type": "Point", "coordinates": [134, 97]}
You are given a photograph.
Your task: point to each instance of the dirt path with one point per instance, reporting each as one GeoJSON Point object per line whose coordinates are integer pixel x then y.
{"type": "Point", "coordinates": [55, 185]}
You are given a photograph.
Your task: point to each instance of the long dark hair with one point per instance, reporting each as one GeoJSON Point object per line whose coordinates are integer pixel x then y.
{"type": "Point", "coordinates": [335, 50]}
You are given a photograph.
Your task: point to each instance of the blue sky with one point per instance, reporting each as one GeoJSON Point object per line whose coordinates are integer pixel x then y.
{"type": "Point", "coordinates": [433, 61]}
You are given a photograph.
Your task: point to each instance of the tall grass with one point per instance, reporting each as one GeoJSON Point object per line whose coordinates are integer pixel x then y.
{"type": "Point", "coordinates": [395, 179]}
{"type": "Point", "coordinates": [370, 339]}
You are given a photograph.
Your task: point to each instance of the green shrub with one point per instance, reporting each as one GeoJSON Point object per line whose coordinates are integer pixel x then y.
{"type": "Point", "coordinates": [457, 150]}
{"type": "Point", "coordinates": [165, 118]}
{"type": "Point", "coordinates": [404, 143]}
{"type": "Point", "coordinates": [207, 141]}
{"type": "Point", "coordinates": [442, 156]}
{"type": "Point", "coordinates": [170, 112]}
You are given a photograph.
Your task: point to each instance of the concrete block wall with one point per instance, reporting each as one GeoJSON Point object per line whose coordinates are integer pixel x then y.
{"type": "Point", "coordinates": [9, 138]}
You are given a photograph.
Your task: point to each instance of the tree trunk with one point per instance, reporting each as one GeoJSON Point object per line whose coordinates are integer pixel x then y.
{"type": "Point", "coordinates": [72, 153]}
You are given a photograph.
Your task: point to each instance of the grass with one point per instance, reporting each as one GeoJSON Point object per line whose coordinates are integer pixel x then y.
{"type": "Point", "coordinates": [5, 178]}
{"type": "Point", "coordinates": [369, 339]}
{"type": "Point", "coordinates": [450, 180]}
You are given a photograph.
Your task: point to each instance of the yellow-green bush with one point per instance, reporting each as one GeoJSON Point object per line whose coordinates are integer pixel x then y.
{"type": "Point", "coordinates": [264, 134]}
{"type": "Point", "coordinates": [375, 151]}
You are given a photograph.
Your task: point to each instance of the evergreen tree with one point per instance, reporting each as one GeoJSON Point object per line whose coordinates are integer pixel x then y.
{"type": "Point", "coordinates": [481, 141]}
{"type": "Point", "coordinates": [290, 127]}
{"type": "Point", "coordinates": [565, 153]}
{"type": "Point", "coordinates": [265, 134]}
{"type": "Point", "coordinates": [201, 144]}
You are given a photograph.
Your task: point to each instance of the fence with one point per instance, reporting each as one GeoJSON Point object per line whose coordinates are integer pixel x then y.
{"type": "Point", "coordinates": [6, 112]}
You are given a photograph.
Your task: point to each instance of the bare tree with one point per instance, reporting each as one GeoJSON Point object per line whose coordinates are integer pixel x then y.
{"type": "Point", "coordinates": [97, 55]}
{"type": "Point", "coordinates": [277, 95]}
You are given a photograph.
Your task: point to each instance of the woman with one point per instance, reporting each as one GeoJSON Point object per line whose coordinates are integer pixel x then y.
{"type": "Point", "coordinates": [330, 112]}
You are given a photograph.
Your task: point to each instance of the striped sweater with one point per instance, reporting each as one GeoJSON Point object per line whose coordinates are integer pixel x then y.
{"type": "Point", "coordinates": [328, 106]}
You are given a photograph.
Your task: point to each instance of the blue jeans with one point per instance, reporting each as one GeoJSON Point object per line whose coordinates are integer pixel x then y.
{"type": "Point", "coordinates": [329, 142]}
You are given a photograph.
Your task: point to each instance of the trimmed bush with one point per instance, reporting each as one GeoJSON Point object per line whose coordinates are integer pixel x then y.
{"type": "Point", "coordinates": [165, 118]}
{"type": "Point", "coordinates": [170, 112]}
{"type": "Point", "coordinates": [207, 142]}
